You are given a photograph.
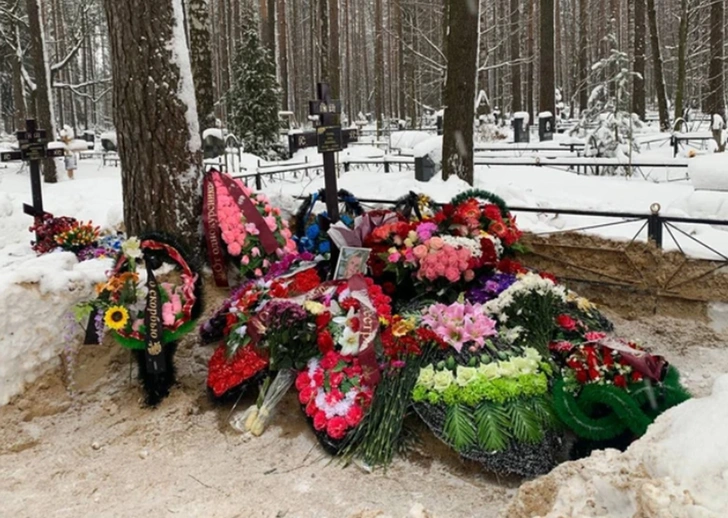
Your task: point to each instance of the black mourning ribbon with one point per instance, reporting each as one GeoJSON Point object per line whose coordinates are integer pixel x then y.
{"type": "Point", "coordinates": [153, 324]}
{"type": "Point", "coordinates": [92, 335]}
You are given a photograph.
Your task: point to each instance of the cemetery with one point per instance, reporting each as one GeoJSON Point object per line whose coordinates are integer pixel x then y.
{"type": "Point", "coordinates": [363, 259]}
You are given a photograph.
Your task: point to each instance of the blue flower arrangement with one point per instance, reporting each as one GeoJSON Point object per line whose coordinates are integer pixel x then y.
{"type": "Point", "coordinates": [311, 229]}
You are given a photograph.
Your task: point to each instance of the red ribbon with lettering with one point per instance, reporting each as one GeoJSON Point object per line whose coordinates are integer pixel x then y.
{"type": "Point", "coordinates": [213, 237]}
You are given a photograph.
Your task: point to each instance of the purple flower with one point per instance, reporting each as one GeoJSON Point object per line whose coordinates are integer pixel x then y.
{"type": "Point", "coordinates": [425, 230]}
{"type": "Point", "coordinates": [489, 287]}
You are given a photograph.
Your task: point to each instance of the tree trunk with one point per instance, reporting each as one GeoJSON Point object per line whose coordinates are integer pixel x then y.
{"type": "Point", "coordinates": [283, 50]}
{"type": "Point", "coordinates": [547, 87]}
{"type": "Point", "coordinates": [263, 13]}
{"type": "Point", "coordinates": [43, 100]}
{"type": "Point", "coordinates": [657, 63]}
{"type": "Point", "coordinates": [531, 58]}
{"type": "Point", "coordinates": [583, 55]}
{"type": "Point", "coordinates": [334, 56]}
{"type": "Point", "coordinates": [716, 83]}
{"type": "Point", "coordinates": [201, 57]}
{"type": "Point", "coordinates": [462, 59]}
{"type": "Point", "coordinates": [349, 64]}
{"type": "Point", "coordinates": [516, 55]}
{"type": "Point", "coordinates": [156, 121]}
{"type": "Point", "coordinates": [638, 81]}
{"type": "Point", "coordinates": [325, 56]}
{"type": "Point", "coordinates": [18, 92]}
{"type": "Point", "coordinates": [400, 59]}
{"type": "Point", "coordinates": [681, 52]}
{"type": "Point", "coordinates": [224, 54]}
{"type": "Point", "coordinates": [270, 28]}
{"type": "Point", "coordinates": [378, 65]}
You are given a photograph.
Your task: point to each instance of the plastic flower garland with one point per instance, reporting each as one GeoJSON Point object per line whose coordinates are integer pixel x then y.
{"type": "Point", "coordinates": [334, 394]}
{"type": "Point", "coordinates": [311, 228]}
{"type": "Point", "coordinates": [242, 231]}
{"type": "Point", "coordinates": [122, 298]}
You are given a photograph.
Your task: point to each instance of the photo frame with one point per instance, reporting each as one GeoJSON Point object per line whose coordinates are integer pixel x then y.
{"type": "Point", "coordinates": [351, 261]}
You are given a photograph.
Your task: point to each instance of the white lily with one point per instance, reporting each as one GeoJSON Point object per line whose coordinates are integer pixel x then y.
{"type": "Point", "coordinates": [349, 342]}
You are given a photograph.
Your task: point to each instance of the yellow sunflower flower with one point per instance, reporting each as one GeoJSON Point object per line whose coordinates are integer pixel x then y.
{"type": "Point", "coordinates": [116, 317]}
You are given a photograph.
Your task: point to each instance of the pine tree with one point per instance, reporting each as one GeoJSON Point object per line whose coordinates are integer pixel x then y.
{"type": "Point", "coordinates": [254, 94]}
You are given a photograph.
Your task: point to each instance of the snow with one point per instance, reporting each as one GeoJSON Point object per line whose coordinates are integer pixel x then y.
{"type": "Point", "coordinates": [38, 292]}
{"type": "Point", "coordinates": [431, 147]}
{"type": "Point", "coordinates": [523, 115]}
{"type": "Point", "coordinates": [679, 469]}
{"type": "Point", "coordinates": [213, 132]}
{"type": "Point", "coordinates": [545, 115]}
{"type": "Point", "coordinates": [718, 123]}
{"type": "Point", "coordinates": [407, 140]}
{"type": "Point", "coordinates": [709, 172]}
{"type": "Point", "coordinates": [110, 136]}
{"type": "Point", "coordinates": [186, 93]}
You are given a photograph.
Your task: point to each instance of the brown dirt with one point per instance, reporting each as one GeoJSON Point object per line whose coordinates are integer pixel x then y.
{"type": "Point", "coordinates": [632, 278]}
{"type": "Point", "coordinates": [101, 453]}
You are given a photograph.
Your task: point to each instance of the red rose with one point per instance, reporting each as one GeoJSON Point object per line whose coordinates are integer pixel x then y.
{"type": "Point", "coordinates": [636, 376]}
{"type": "Point", "coordinates": [278, 291]}
{"type": "Point", "coordinates": [488, 256]}
{"type": "Point", "coordinates": [311, 408]}
{"type": "Point", "coordinates": [354, 416]}
{"type": "Point", "coordinates": [325, 342]}
{"type": "Point", "coordinates": [305, 395]}
{"type": "Point", "coordinates": [566, 323]}
{"type": "Point", "coordinates": [510, 266]}
{"type": "Point", "coordinates": [336, 427]}
{"type": "Point", "coordinates": [493, 212]}
{"type": "Point", "coordinates": [302, 380]}
{"type": "Point", "coordinates": [306, 281]}
{"type": "Point", "coordinates": [620, 381]}
{"type": "Point", "coordinates": [335, 378]}
{"type": "Point", "coordinates": [607, 358]}
{"type": "Point", "coordinates": [319, 421]}
{"type": "Point", "coordinates": [318, 378]}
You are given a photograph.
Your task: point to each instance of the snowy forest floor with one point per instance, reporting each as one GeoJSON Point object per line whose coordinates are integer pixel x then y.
{"type": "Point", "coordinates": [100, 453]}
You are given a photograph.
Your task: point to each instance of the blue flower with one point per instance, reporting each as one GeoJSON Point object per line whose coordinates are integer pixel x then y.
{"type": "Point", "coordinates": [313, 232]}
{"type": "Point", "coordinates": [324, 247]}
{"type": "Point", "coordinates": [347, 220]}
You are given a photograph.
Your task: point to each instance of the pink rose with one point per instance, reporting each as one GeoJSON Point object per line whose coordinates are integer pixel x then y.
{"type": "Point", "coordinates": [258, 272]}
{"type": "Point", "coordinates": [271, 222]}
{"type": "Point", "coordinates": [262, 198]}
{"type": "Point", "coordinates": [393, 258]}
{"type": "Point", "coordinates": [167, 314]}
{"type": "Point", "coordinates": [245, 260]}
{"type": "Point", "coordinates": [440, 268]}
{"type": "Point", "coordinates": [234, 249]}
{"type": "Point", "coordinates": [176, 304]}
{"type": "Point", "coordinates": [463, 254]}
{"type": "Point", "coordinates": [255, 252]}
{"type": "Point", "coordinates": [436, 243]}
{"type": "Point", "coordinates": [251, 229]}
{"type": "Point", "coordinates": [277, 211]}
{"type": "Point", "coordinates": [266, 263]}
{"type": "Point", "coordinates": [420, 251]}
{"type": "Point", "coordinates": [286, 233]}
{"type": "Point", "coordinates": [452, 274]}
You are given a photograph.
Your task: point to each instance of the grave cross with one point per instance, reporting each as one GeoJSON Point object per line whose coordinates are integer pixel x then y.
{"type": "Point", "coordinates": [33, 144]}
{"type": "Point", "coordinates": [330, 142]}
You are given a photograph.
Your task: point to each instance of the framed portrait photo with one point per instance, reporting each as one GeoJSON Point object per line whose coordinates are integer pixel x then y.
{"type": "Point", "coordinates": [351, 262]}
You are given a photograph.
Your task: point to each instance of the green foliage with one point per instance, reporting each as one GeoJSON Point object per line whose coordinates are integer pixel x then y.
{"type": "Point", "coordinates": [621, 403]}
{"type": "Point", "coordinates": [525, 424]}
{"type": "Point", "coordinates": [498, 390]}
{"type": "Point", "coordinates": [536, 314]}
{"type": "Point", "coordinates": [480, 194]}
{"type": "Point", "coordinates": [253, 99]}
{"type": "Point", "coordinates": [493, 425]}
{"type": "Point", "coordinates": [459, 428]}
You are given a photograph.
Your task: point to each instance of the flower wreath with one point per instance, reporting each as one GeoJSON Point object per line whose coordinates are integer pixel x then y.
{"type": "Point", "coordinates": [311, 228]}
{"type": "Point", "coordinates": [121, 299]}
{"type": "Point", "coordinates": [421, 205]}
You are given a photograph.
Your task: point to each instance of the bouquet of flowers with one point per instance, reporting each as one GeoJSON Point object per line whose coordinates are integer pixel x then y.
{"type": "Point", "coordinates": [466, 216]}
{"type": "Point", "coordinates": [311, 228]}
{"type": "Point", "coordinates": [335, 395]}
{"type": "Point", "coordinates": [252, 229]}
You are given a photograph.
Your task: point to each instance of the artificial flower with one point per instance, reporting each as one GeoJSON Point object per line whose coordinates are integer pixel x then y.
{"type": "Point", "coordinates": [116, 317]}
{"type": "Point", "coordinates": [132, 248]}
{"type": "Point", "coordinates": [442, 380]}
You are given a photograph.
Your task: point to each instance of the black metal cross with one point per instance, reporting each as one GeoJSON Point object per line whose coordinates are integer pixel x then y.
{"type": "Point", "coordinates": [33, 144]}
{"type": "Point", "coordinates": [330, 141]}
